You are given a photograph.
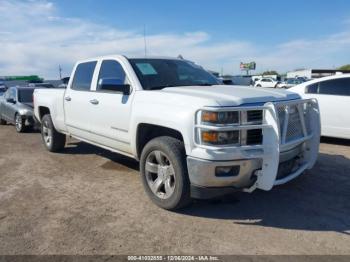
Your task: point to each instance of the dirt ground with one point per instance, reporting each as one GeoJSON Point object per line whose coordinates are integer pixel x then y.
{"type": "Point", "coordinates": [86, 200]}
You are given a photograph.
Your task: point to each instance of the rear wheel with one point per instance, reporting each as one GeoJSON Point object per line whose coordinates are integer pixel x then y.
{"type": "Point", "coordinates": [258, 86]}
{"type": "Point", "coordinates": [53, 140]}
{"type": "Point", "coordinates": [2, 121]}
{"type": "Point", "coordinates": [20, 123]}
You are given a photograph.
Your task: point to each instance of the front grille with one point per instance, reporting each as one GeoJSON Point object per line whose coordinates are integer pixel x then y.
{"type": "Point", "coordinates": [294, 128]}
{"type": "Point", "coordinates": [254, 137]}
{"type": "Point", "coordinates": [255, 116]}
{"type": "Point", "coordinates": [298, 115]}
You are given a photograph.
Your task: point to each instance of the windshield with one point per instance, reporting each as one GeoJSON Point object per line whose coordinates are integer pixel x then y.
{"type": "Point", "coordinates": [25, 95]}
{"type": "Point", "coordinates": [160, 73]}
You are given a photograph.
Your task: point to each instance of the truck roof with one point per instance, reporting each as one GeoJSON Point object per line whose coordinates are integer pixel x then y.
{"type": "Point", "coordinates": [131, 57]}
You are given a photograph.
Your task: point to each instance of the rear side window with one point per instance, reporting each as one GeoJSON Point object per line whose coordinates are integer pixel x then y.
{"type": "Point", "coordinates": [25, 95]}
{"type": "Point", "coordinates": [83, 76]}
{"type": "Point", "coordinates": [339, 87]}
{"type": "Point", "coordinates": [12, 94]}
{"type": "Point", "coordinates": [312, 89]}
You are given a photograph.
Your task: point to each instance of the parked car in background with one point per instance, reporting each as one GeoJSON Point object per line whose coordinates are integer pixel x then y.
{"type": "Point", "coordinates": [3, 88]}
{"type": "Point", "coordinates": [41, 85]}
{"type": "Point", "coordinates": [291, 82]}
{"type": "Point", "coordinates": [266, 82]}
{"type": "Point", "coordinates": [64, 84]}
{"type": "Point", "coordinates": [16, 107]}
{"type": "Point", "coordinates": [333, 95]}
{"type": "Point", "coordinates": [194, 137]}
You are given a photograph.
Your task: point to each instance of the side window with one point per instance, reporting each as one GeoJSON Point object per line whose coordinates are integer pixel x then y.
{"type": "Point", "coordinates": [339, 87]}
{"type": "Point", "coordinates": [7, 94]}
{"type": "Point", "coordinates": [83, 76]}
{"type": "Point", "coordinates": [111, 69]}
{"type": "Point", "coordinates": [312, 89]}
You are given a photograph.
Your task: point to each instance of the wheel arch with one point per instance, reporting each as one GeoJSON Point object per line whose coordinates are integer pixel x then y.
{"type": "Point", "coordinates": [43, 110]}
{"type": "Point", "coordinates": [145, 132]}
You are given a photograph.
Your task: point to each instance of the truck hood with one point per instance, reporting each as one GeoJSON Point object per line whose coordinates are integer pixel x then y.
{"type": "Point", "coordinates": [226, 95]}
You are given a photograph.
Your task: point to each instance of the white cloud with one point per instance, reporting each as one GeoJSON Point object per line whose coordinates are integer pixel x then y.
{"type": "Point", "coordinates": [35, 38]}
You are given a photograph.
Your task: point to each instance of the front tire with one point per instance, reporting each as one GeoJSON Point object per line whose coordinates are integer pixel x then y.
{"type": "Point", "coordinates": [2, 122]}
{"type": "Point", "coordinates": [53, 140]}
{"type": "Point", "coordinates": [20, 123]}
{"type": "Point", "coordinates": [164, 173]}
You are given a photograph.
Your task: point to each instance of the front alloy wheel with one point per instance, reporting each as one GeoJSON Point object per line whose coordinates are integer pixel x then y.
{"type": "Point", "coordinates": [164, 172]}
{"type": "Point", "coordinates": [160, 174]}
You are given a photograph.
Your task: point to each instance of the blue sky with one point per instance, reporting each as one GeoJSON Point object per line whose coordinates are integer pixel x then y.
{"type": "Point", "coordinates": [225, 19]}
{"type": "Point", "coordinates": [37, 35]}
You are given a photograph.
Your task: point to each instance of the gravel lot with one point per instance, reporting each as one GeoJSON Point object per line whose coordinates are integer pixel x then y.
{"type": "Point", "coordinates": [89, 201]}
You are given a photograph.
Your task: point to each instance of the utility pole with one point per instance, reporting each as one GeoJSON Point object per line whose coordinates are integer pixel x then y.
{"type": "Point", "coordinates": [144, 39]}
{"type": "Point", "coordinates": [60, 71]}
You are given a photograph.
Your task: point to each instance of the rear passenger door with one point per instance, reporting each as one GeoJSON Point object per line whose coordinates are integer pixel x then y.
{"type": "Point", "coordinates": [78, 100]}
{"type": "Point", "coordinates": [334, 100]}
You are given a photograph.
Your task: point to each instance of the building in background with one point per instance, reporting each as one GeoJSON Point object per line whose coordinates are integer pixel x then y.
{"type": "Point", "coordinates": [314, 73]}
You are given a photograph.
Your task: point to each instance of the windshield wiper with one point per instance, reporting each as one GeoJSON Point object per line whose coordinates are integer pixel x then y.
{"type": "Point", "coordinates": [169, 85]}
{"type": "Point", "coordinates": [205, 84]}
{"type": "Point", "coordinates": [161, 87]}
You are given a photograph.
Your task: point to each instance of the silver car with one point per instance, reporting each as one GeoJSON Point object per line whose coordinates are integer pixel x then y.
{"type": "Point", "coordinates": [3, 88]}
{"type": "Point", "coordinates": [16, 107]}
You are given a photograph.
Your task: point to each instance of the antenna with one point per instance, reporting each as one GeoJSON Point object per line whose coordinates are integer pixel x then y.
{"type": "Point", "coordinates": [144, 39]}
{"type": "Point", "coordinates": [60, 71]}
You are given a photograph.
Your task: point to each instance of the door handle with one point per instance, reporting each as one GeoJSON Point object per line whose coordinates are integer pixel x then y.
{"type": "Point", "coordinates": [94, 101]}
{"type": "Point", "coordinates": [67, 98]}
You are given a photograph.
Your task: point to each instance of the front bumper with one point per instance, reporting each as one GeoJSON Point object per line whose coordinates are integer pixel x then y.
{"type": "Point", "coordinates": [276, 161]}
{"type": "Point", "coordinates": [30, 120]}
{"type": "Point", "coordinates": [206, 183]}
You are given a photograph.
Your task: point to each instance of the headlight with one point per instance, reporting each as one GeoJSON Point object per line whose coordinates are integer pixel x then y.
{"type": "Point", "coordinates": [227, 128]}
{"type": "Point", "coordinates": [220, 118]}
{"type": "Point", "coordinates": [220, 137]}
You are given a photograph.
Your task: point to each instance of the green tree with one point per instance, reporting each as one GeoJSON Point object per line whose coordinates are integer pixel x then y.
{"type": "Point", "coordinates": [271, 72]}
{"type": "Point", "coordinates": [344, 67]}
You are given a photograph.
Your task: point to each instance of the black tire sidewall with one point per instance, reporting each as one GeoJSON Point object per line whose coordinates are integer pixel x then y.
{"type": "Point", "coordinates": [174, 150]}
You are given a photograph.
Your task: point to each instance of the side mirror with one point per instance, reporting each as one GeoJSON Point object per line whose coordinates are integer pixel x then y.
{"type": "Point", "coordinates": [114, 84]}
{"type": "Point", "coordinates": [11, 100]}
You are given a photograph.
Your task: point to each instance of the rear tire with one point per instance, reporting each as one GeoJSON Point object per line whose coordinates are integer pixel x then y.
{"type": "Point", "coordinates": [164, 174]}
{"type": "Point", "coordinates": [53, 140]}
{"type": "Point", "coordinates": [20, 123]}
{"type": "Point", "coordinates": [2, 122]}
{"type": "Point", "coordinates": [258, 86]}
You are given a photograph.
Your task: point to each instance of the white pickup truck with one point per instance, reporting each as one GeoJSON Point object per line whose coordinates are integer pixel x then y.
{"type": "Point", "coordinates": [193, 136]}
